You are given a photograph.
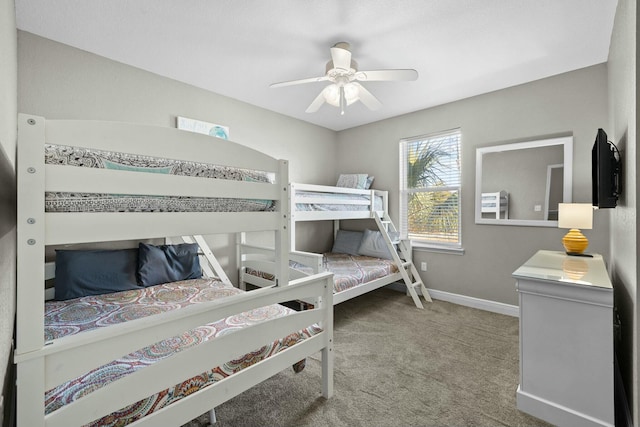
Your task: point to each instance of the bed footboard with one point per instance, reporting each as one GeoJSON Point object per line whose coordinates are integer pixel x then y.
{"type": "Point", "coordinates": [66, 358]}
{"type": "Point", "coordinates": [261, 259]}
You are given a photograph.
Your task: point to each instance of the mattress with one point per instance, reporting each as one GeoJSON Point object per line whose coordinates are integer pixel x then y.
{"type": "Point", "coordinates": [489, 204]}
{"type": "Point", "coordinates": [348, 271]}
{"type": "Point", "coordinates": [335, 201]}
{"type": "Point", "coordinates": [63, 318]}
{"type": "Point", "coordinates": [99, 202]}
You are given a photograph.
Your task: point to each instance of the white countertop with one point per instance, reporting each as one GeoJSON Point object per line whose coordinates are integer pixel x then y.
{"type": "Point", "coordinates": [559, 267]}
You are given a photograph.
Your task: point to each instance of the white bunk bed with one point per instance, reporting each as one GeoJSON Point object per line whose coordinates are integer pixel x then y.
{"type": "Point", "coordinates": [317, 203]}
{"type": "Point", "coordinates": [43, 364]}
{"type": "Point", "coordinates": [496, 203]}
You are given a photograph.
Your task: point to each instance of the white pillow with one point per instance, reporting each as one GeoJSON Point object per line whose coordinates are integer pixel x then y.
{"type": "Point", "coordinates": [373, 245]}
{"type": "Point", "coordinates": [352, 180]}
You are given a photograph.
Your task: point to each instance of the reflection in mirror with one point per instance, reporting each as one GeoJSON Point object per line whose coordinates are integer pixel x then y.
{"type": "Point", "coordinates": [553, 193]}
{"type": "Point", "coordinates": [522, 183]}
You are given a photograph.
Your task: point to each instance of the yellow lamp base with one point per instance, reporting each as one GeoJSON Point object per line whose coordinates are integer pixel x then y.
{"type": "Point", "coordinates": [574, 242]}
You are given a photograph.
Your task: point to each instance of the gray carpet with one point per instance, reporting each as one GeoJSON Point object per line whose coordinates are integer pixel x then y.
{"type": "Point", "coordinates": [396, 365]}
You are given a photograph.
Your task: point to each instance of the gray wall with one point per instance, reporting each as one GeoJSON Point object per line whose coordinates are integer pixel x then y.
{"type": "Point", "coordinates": [623, 100]}
{"type": "Point", "coordinates": [8, 106]}
{"type": "Point", "coordinates": [58, 81]}
{"type": "Point", "coordinates": [573, 103]}
{"type": "Point", "coordinates": [61, 82]}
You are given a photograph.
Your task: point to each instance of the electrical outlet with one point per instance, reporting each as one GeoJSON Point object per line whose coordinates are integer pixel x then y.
{"type": "Point", "coordinates": [423, 266]}
{"type": "Point", "coordinates": [537, 208]}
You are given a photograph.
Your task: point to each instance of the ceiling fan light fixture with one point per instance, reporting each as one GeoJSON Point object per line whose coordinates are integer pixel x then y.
{"type": "Point", "coordinates": [344, 88]}
{"type": "Point", "coordinates": [331, 94]}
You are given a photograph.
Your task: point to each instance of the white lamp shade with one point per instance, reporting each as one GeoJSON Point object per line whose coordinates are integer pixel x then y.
{"type": "Point", "coordinates": [575, 215]}
{"type": "Point", "coordinates": [331, 94]}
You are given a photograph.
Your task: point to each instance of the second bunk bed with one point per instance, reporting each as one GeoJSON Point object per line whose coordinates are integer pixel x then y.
{"type": "Point", "coordinates": [361, 261]}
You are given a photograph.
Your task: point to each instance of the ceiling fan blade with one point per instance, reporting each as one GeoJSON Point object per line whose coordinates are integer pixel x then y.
{"type": "Point", "coordinates": [316, 104]}
{"type": "Point", "coordinates": [385, 75]}
{"type": "Point", "coordinates": [367, 98]}
{"type": "Point", "coordinates": [341, 56]}
{"type": "Point", "coordinates": [301, 81]}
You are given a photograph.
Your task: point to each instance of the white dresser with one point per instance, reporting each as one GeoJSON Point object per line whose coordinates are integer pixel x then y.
{"type": "Point", "coordinates": [566, 339]}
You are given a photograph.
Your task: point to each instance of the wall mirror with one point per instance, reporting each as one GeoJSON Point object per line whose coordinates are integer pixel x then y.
{"type": "Point", "coordinates": [522, 183]}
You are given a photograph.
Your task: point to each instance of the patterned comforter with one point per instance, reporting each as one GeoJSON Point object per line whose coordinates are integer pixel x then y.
{"type": "Point", "coordinates": [99, 202]}
{"type": "Point", "coordinates": [348, 271]}
{"type": "Point", "coordinates": [69, 317]}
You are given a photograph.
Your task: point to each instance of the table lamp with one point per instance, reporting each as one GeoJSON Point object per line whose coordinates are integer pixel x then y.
{"type": "Point", "coordinates": [575, 216]}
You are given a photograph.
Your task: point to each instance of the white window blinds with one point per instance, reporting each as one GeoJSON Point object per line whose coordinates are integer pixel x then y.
{"type": "Point", "coordinates": [430, 189]}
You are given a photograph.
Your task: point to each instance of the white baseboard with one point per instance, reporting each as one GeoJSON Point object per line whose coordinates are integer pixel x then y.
{"type": "Point", "coordinates": [556, 413]}
{"type": "Point", "coordinates": [482, 304]}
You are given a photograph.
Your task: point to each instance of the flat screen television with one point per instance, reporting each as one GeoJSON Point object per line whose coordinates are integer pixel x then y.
{"type": "Point", "coordinates": [605, 172]}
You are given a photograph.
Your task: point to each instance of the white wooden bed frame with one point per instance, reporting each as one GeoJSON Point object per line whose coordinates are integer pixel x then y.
{"type": "Point", "coordinates": [261, 258]}
{"type": "Point", "coordinates": [496, 203]}
{"type": "Point", "coordinates": [42, 365]}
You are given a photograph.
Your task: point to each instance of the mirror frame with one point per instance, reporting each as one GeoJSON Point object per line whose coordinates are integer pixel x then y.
{"type": "Point", "coordinates": [566, 142]}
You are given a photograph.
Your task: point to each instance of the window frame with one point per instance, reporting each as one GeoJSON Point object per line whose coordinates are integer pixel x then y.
{"type": "Point", "coordinates": [405, 192]}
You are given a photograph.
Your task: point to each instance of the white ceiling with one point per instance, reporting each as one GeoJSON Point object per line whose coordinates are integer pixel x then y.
{"type": "Point", "coordinates": [237, 48]}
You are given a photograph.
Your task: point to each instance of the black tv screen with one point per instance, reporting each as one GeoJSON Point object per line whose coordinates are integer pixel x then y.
{"type": "Point", "coordinates": [605, 172]}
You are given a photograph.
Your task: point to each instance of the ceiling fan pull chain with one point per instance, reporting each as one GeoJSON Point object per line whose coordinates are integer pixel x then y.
{"type": "Point", "coordinates": [343, 101]}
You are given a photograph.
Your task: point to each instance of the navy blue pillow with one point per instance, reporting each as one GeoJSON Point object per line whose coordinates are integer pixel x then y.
{"type": "Point", "coordinates": [167, 263]}
{"type": "Point", "coordinates": [81, 273]}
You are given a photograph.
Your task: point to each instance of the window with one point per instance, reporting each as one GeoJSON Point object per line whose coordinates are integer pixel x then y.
{"type": "Point", "coordinates": [430, 189]}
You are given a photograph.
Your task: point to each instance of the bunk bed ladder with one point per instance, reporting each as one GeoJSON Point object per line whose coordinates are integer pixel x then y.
{"type": "Point", "coordinates": [402, 258]}
{"type": "Point", "coordinates": [208, 262]}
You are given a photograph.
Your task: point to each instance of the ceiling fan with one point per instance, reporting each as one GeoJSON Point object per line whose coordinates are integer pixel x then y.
{"type": "Point", "coordinates": [345, 89]}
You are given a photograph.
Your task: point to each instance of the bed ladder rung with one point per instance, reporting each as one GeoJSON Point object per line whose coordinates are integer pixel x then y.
{"type": "Point", "coordinates": [401, 255]}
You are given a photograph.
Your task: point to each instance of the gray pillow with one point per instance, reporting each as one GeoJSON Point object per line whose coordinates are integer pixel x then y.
{"type": "Point", "coordinates": [373, 245]}
{"type": "Point", "coordinates": [347, 242]}
{"type": "Point", "coordinates": [370, 179]}
{"type": "Point", "coordinates": [352, 180]}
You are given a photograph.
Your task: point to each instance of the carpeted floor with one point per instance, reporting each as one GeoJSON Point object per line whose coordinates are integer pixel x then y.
{"type": "Point", "coordinates": [396, 365]}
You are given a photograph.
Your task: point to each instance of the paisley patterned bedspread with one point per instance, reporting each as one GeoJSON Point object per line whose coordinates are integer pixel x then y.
{"type": "Point", "coordinates": [64, 318]}
{"type": "Point", "coordinates": [348, 271]}
{"type": "Point", "coordinates": [97, 202]}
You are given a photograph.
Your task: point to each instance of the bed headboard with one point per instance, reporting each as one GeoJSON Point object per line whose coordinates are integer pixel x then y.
{"type": "Point", "coordinates": [37, 228]}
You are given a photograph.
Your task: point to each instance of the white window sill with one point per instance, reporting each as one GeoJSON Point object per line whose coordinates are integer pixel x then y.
{"type": "Point", "coordinates": [437, 249]}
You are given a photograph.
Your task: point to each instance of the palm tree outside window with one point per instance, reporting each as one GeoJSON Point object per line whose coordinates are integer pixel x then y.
{"type": "Point", "coordinates": [430, 189]}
